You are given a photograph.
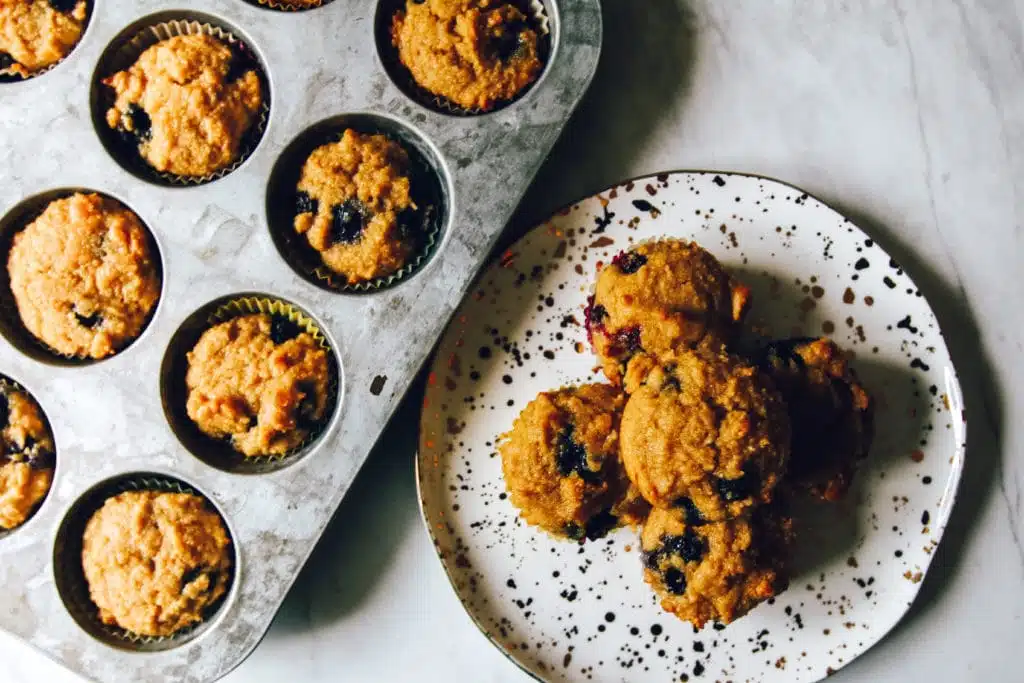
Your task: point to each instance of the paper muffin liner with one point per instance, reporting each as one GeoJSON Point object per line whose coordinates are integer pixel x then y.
{"type": "Point", "coordinates": [288, 7]}
{"type": "Point", "coordinates": [10, 318]}
{"type": "Point", "coordinates": [427, 188]}
{"type": "Point", "coordinates": [70, 577]}
{"type": "Point", "coordinates": [220, 452]}
{"type": "Point", "coordinates": [126, 54]}
{"type": "Point", "coordinates": [10, 76]}
{"type": "Point", "coordinates": [403, 78]}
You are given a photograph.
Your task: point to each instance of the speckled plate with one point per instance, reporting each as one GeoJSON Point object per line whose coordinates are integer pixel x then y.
{"type": "Point", "coordinates": [564, 611]}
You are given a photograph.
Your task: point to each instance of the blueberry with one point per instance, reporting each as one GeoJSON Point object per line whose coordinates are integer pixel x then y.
{"type": "Point", "coordinates": [90, 321]}
{"type": "Point", "coordinates": [305, 204]}
{"type": "Point", "coordinates": [42, 459]}
{"type": "Point", "coordinates": [651, 558]}
{"type": "Point", "coordinates": [282, 329]}
{"type": "Point", "coordinates": [571, 457]}
{"type": "Point", "coordinates": [346, 222]}
{"type": "Point", "coordinates": [574, 531]}
{"type": "Point", "coordinates": [65, 6]}
{"type": "Point", "coordinates": [600, 524]}
{"type": "Point", "coordinates": [693, 515]}
{"type": "Point", "coordinates": [629, 262]}
{"type": "Point", "coordinates": [141, 126]}
{"type": "Point", "coordinates": [689, 546]}
{"type": "Point", "coordinates": [6, 61]}
{"type": "Point", "coordinates": [598, 314]}
{"type": "Point", "coordinates": [675, 581]}
{"type": "Point", "coordinates": [627, 342]}
{"type": "Point", "coordinates": [737, 489]}
{"type": "Point", "coordinates": [5, 410]}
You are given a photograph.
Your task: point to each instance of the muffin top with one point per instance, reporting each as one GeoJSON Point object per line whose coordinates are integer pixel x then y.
{"type": "Point", "coordinates": [35, 34]}
{"type": "Point", "coordinates": [27, 465]}
{"type": "Point", "coordinates": [561, 464]}
{"type": "Point", "coordinates": [186, 104]}
{"type": "Point", "coordinates": [353, 206]}
{"type": "Point", "coordinates": [155, 562]}
{"type": "Point", "coordinates": [475, 54]}
{"type": "Point", "coordinates": [260, 381]}
{"type": "Point", "coordinates": [718, 571]}
{"type": "Point", "coordinates": [84, 276]}
{"type": "Point", "coordinates": [831, 413]}
{"type": "Point", "coordinates": [659, 297]}
{"type": "Point", "coordinates": [707, 433]}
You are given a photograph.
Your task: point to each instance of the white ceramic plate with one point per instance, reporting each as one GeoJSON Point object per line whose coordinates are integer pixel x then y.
{"type": "Point", "coordinates": [564, 611]}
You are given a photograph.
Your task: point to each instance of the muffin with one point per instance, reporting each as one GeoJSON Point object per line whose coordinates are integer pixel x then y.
{"type": "Point", "coordinates": [706, 433]}
{"type": "Point", "coordinates": [831, 413]}
{"type": "Point", "coordinates": [155, 562]}
{"type": "Point", "coordinates": [719, 571]}
{"type": "Point", "coordinates": [260, 382]}
{"type": "Point", "coordinates": [36, 34]}
{"type": "Point", "coordinates": [187, 104]}
{"type": "Point", "coordinates": [28, 456]}
{"type": "Point", "coordinates": [354, 208]}
{"type": "Point", "coordinates": [85, 276]}
{"type": "Point", "coordinates": [474, 54]}
{"type": "Point", "coordinates": [660, 297]}
{"type": "Point", "coordinates": [561, 463]}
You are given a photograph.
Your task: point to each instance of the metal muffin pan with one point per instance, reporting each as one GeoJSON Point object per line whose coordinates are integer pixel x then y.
{"type": "Point", "coordinates": [108, 417]}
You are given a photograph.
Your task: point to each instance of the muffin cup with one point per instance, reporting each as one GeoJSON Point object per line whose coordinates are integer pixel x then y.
{"type": "Point", "coordinates": [125, 54]}
{"type": "Point", "coordinates": [285, 7]}
{"type": "Point", "coordinates": [11, 325]}
{"type": "Point", "coordinates": [220, 453]}
{"type": "Point", "coordinates": [426, 182]}
{"type": "Point", "coordinates": [70, 577]}
{"type": "Point", "coordinates": [9, 385]}
{"type": "Point", "coordinates": [407, 84]}
{"type": "Point", "coordinates": [10, 76]}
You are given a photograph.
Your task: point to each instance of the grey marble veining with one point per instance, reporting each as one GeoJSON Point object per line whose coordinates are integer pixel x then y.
{"type": "Point", "coordinates": [108, 418]}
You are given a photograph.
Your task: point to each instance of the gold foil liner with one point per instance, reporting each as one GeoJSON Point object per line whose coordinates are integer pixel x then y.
{"type": "Point", "coordinates": [132, 49]}
{"type": "Point", "coordinates": [74, 589]}
{"type": "Point", "coordinates": [438, 103]}
{"type": "Point", "coordinates": [10, 76]}
{"type": "Point", "coordinates": [251, 305]}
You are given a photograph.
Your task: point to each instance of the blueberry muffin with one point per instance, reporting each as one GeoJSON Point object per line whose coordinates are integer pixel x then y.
{"type": "Point", "coordinates": [354, 206]}
{"type": "Point", "coordinates": [155, 562]}
{"type": "Point", "coordinates": [187, 104]}
{"type": "Point", "coordinates": [259, 381]}
{"type": "Point", "coordinates": [705, 433]}
{"type": "Point", "coordinates": [27, 461]}
{"type": "Point", "coordinates": [659, 297]}
{"type": "Point", "coordinates": [84, 276]}
{"type": "Point", "coordinates": [36, 34]}
{"type": "Point", "coordinates": [561, 463]}
{"type": "Point", "coordinates": [475, 54]}
{"type": "Point", "coordinates": [831, 413]}
{"type": "Point", "coordinates": [719, 571]}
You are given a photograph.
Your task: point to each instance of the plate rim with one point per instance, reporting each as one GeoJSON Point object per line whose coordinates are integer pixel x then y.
{"type": "Point", "coordinates": [958, 458]}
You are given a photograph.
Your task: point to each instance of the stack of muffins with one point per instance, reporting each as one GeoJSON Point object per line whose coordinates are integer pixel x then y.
{"type": "Point", "coordinates": [696, 444]}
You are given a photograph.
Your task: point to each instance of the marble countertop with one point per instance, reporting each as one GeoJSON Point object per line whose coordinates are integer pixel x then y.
{"type": "Point", "coordinates": [908, 116]}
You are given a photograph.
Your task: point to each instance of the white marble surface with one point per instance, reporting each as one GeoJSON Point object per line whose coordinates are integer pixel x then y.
{"type": "Point", "coordinates": [906, 114]}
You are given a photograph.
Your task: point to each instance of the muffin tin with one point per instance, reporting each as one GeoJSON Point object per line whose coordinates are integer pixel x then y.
{"type": "Point", "coordinates": [114, 420]}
